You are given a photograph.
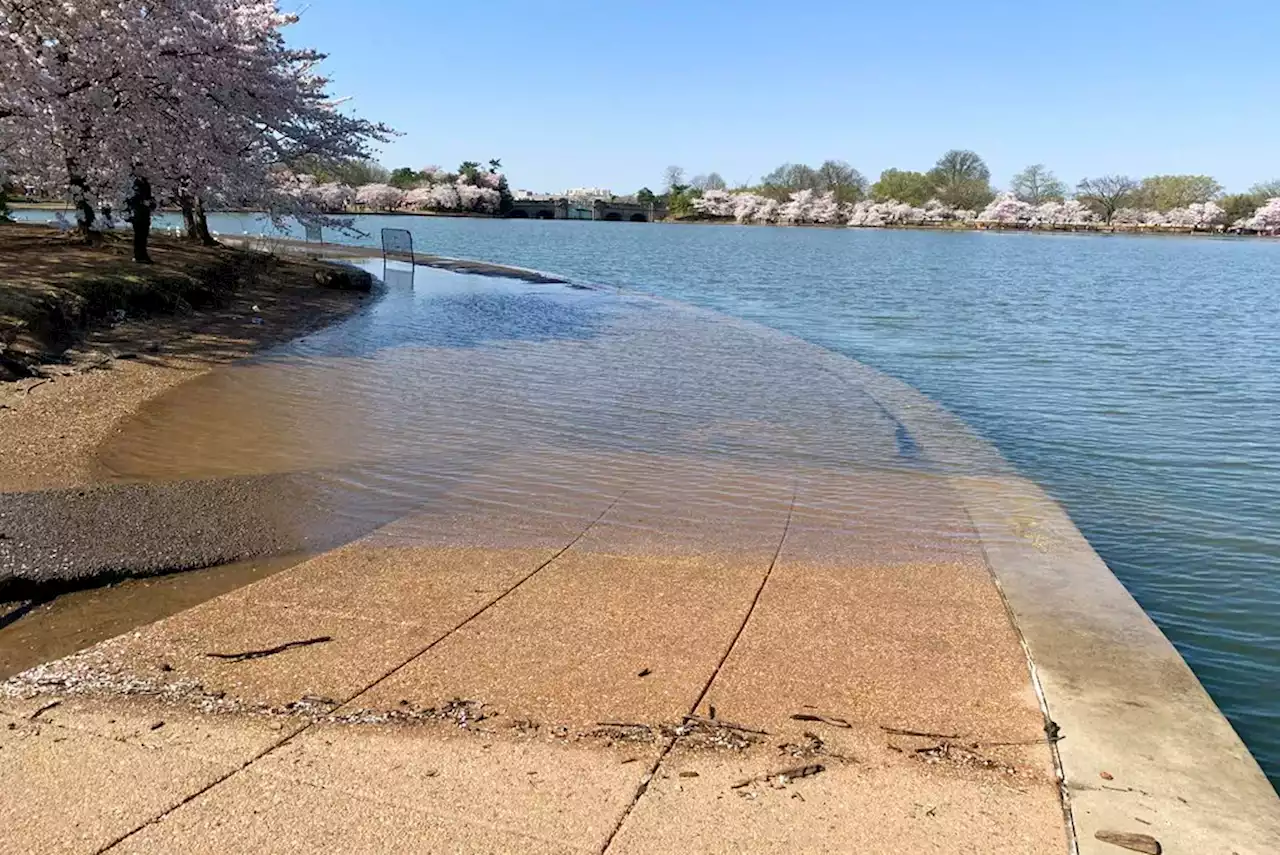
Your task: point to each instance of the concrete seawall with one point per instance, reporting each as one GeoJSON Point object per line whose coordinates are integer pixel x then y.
{"type": "Point", "coordinates": [1142, 738]}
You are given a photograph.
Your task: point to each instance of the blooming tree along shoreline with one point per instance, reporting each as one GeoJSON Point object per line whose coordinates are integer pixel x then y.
{"type": "Point", "coordinates": [957, 193]}
{"type": "Point", "coordinates": [806, 207]}
{"type": "Point", "coordinates": [121, 104]}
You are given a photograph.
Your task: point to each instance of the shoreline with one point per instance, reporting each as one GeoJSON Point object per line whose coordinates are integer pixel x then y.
{"type": "Point", "coordinates": [952, 226]}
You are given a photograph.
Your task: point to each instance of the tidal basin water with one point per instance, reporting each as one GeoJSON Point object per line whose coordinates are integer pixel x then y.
{"type": "Point", "coordinates": [1136, 378]}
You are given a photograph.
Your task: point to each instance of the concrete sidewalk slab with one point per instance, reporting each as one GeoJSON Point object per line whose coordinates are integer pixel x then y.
{"type": "Point", "coordinates": [77, 776]}
{"type": "Point", "coordinates": [556, 789]}
{"type": "Point", "coordinates": [876, 810]}
{"type": "Point", "coordinates": [377, 608]}
{"type": "Point", "coordinates": [255, 813]}
{"type": "Point", "coordinates": [569, 648]}
{"type": "Point", "coordinates": [927, 648]}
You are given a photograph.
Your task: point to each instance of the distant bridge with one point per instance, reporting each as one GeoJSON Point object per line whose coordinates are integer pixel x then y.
{"type": "Point", "coordinates": [563, 208]}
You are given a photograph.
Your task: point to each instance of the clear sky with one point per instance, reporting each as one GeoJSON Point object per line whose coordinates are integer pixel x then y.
{"type": "Point", "coordinates": [607, 93]}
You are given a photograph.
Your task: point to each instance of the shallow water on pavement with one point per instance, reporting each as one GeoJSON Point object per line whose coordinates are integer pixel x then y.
{"type": "Point", "coordinates": [446, 381]}
{"type": "Point", "coordinates": [458, 392]}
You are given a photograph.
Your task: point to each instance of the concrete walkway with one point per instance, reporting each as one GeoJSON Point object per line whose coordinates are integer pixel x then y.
{"type": "Point", "coordinates": [613, 666]}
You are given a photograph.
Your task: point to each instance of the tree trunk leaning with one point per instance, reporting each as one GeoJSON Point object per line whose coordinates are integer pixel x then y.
{"type": "Point", "coordinates": [202, 225]}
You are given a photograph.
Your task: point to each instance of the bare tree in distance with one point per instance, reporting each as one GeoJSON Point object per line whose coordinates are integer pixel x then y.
{"type": "Point", "coordinates": [1036, 185]}
{"type": "Point", "coordinates": [962, 179]}
{"type": "Point", "coordinates": [673, 177]}
{"type": "Point", "coordinates": [710, 181]}
{"type": "Point", "coordinates": [840, 178]}
{"type": "Point", "coordinates": [1107, 194]}
{"type": "Point", "coordinates": [789, 178]}
{"type": "Point", "coordinates": [957, 165]}
{"type": "Point", "coordinates": [1266, 189]}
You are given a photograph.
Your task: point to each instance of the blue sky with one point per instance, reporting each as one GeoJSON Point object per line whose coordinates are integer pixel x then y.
{"type": "Point", "coordinates": [573, 93]}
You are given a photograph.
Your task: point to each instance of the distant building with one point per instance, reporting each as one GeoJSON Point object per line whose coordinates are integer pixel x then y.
{"type": "Point", "coordinates": [589, 193]}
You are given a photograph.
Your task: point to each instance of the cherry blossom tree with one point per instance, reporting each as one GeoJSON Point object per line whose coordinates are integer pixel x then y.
{"type": "Point", "coordinates": [810, 206]}
{"type": "Point", "coordinates": [420, 199]}
{"type": "Point", "coordinates": [379, 197]}
{"type": "Point", "coordinates": [202, 99]}
{"type": "Point", "coordinates": [334, 196]}
{"type": "Point", "coordinates": [1267, 218]}
{"type": "Point", "coordinates": [716, 203]}
{"type": "Point", "coordinates": [1006, 209]}
{"type": "Point", "coordinates": [825, 209]}
{"type": "Point", "coordinates": [751, 207]}
{"type": "Point", "coordinates": [1197, 215]}
{"type": "Point", "coordinates": [796, 209]}
{"type": "Point", "coordinates": [1128, 217]}
{"type": "Point", "coordinates": [937, 211]}
{"type": "Point", "coordinates": [887, 213]}
{"type": "Point", "coordinates": [481, 200]}
{"type": "Point", "coordinates": [1070, 212]}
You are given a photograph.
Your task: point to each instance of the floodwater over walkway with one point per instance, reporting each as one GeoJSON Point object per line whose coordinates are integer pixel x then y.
{"type": "Point", "coordinates": [618, 574]}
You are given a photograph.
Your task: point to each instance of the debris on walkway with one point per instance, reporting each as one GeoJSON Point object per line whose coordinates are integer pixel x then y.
{"type": "Point", "coordinates": [269, 651]}
{"type": "Point", "coordinates": [834, 721]}
{"type": "Point", "coordinates": [1144, 843]}
{"type": "Point", "coordinates": [783, 776]}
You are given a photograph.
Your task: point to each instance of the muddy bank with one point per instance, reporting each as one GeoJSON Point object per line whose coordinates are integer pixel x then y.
{"type": "Point", "coordinates": [57, 540]}
{"type": "Point", "coordinates": [54, 289]}
{"type": "Point", "coordinates": [91, 337]}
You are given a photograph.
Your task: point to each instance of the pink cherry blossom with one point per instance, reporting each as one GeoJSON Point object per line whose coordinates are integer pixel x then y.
{"type": "Point", "coordinates": [203, 98]}
{"type": "Point", "coordinates": [1006, 209]}
{"type": "Point", "coordinates": [379, 197]}
{"type": "Point", "coordinates": [1267, 218]}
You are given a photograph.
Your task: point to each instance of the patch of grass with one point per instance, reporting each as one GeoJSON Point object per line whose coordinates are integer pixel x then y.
{"type": "Point", "coordinates": [53, 288]}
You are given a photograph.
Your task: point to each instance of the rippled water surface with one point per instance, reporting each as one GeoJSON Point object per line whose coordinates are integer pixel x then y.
{"type": "Point", "coordinates": [1136, 378]}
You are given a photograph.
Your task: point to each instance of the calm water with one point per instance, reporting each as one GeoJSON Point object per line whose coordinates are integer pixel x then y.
{"type": "Point", "coordinates": [1138, 379]}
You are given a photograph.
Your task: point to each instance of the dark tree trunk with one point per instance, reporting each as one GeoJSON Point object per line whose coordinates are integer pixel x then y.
{"type": "Point", "coordinates": [141, 203]}
{"type": "Point", "coordinates": [141, 231]}
{"type": "Point", "coordinates": [202, 225]}
{"type": "Point", "coordinates": [84, 209]}
{"type": "Point", "coordinates": [188, 206]}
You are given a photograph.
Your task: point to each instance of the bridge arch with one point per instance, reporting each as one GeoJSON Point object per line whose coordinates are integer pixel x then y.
{"type": "Point", "coordinates": [639, 218]}
{"type": "Point", "coordinates": [613, 217]}
{"type": "Point", "coordinates": [518, 214]}
{"type": "Point", "coordinates": [545, 214]}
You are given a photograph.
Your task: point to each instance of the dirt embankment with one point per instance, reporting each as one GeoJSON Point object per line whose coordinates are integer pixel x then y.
{"type": "Point", "coordinates": [87, 338]}
{"type": "Point", "coordinates": [55, 290]}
